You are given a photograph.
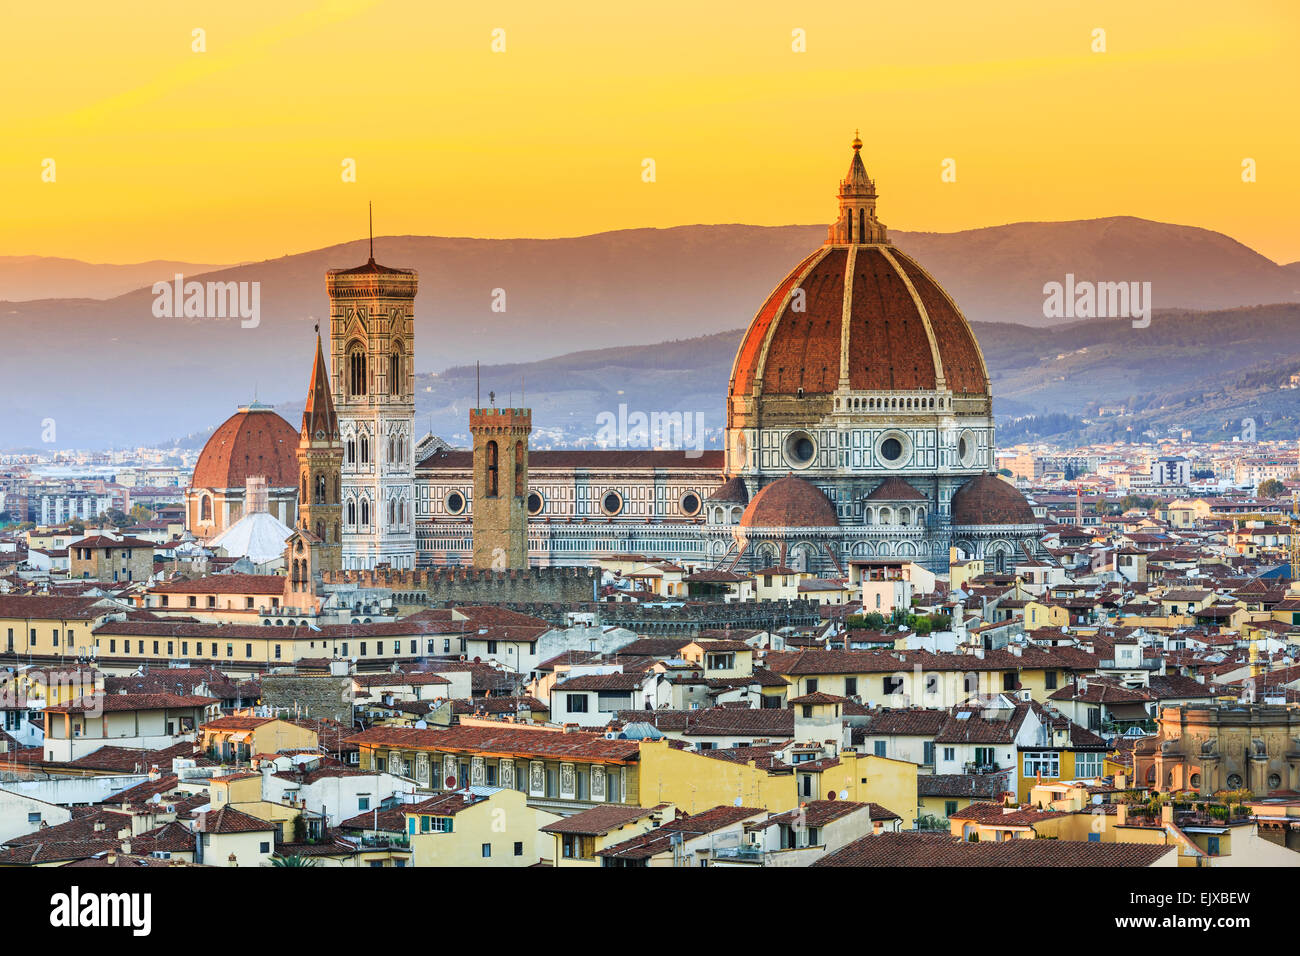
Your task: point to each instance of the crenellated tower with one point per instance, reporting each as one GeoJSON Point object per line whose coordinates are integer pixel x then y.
{"type": "Point", "coordinates": [500, 486]}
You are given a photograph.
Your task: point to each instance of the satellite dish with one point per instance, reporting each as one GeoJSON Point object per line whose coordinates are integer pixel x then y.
{"type": "Point", "coordinates": [451, 781]}
{"type": "Point", "coordinates": [736, 802]}
{"type": "Point", "coordinates": [844, 794]}
{"type": "Point", "coordinates": [1096, 798]}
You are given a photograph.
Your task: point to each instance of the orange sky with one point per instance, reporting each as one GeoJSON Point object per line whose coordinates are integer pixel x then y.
{"type": "Point", "coordinates": [235, 153]}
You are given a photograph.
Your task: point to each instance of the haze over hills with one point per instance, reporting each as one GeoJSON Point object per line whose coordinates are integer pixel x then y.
{"type": "Point", "coordinates": [23, 278]}
{"type": "Point", "coordinates": [123, 376]}
{"type": "Point", "coordinates": [1086, 370]}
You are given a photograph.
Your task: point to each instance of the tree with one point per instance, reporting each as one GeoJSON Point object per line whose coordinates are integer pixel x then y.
{"type": "Point", "coordinates": [1271, 488]}
{"type": "Point", "coordinates": [292, 860]}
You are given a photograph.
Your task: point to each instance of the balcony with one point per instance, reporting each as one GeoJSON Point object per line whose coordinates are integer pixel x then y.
{"type": "Point", "coordinates": [739, 854]}
{"type": "Point", "coordinates": [1145, 664]}
{"type": "Point", "coordinates": [380, 841]}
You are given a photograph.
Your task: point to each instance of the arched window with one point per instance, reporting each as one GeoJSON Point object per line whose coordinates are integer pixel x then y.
{"type": "Point", "coordinates": [365, 450]}
{"type": "Point", "coordinates": [492, 467]}
{"type": "Point", "coordinates": [352, 513]}
{"type": "Point", "coordinates": [337, 537]}
{"type": "Point", "coordinates": [392, 511]}
{"type": "Point", "coordinates": [395, 371]}
{"type": "Point", "coordinates": [519, 469]}
{"type": "Point", "coordinates": [862, 225]}
{"type": "Point", "coordinates": [303, 497]}
{"type": "Point", "coordinates": [205, 508]}
{"type": "Point", "coordinates": [320, 529]}
{"type": "Point", "coordinates": [392, 449]}
{"type": "Point", "coordinates": [356, 371]}
{"type": "Point", "coordinates": [365, 512]}
{"type": "Point", "coordinates": [352, 451]}
{"type": "Point", "coordinates": [336, 490]}
{"type": "Point", "coordinates": [320, 489]}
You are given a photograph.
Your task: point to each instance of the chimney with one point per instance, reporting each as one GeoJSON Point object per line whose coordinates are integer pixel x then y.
{"type": "Point", "coordinates": [1121, 814]}
{"type": "Point", "coordinates": [1167, 814]}
{"type": "Point", "coordinates": [1121, 781]}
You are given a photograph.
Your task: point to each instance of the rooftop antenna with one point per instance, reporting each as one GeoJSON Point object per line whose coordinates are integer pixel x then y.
{"type": "Point", "coordinates": [372, 231]}
{"type": "Point", "coordinates": [478, 387]}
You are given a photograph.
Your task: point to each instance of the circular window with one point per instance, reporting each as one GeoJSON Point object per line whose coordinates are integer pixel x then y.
{"type": "Point", "coordinates": [455, 503]}
{"type": "Point", "coordinates": [1274, 781]}
{"type": "Point", "coordinates": [1234, 781]}
{"type": "Point", "coordinates": [690, 504]}
{"type": "Point", "coordinates": [966, 448]}
{"type": "Point", "coordinates": [612, 503]}
{"type": "Point", "coordinates": [800, 448]}
{"type": "Point", "coordinates": [891, 449]}
{"type": "Point", "coordinates": [535, 503]}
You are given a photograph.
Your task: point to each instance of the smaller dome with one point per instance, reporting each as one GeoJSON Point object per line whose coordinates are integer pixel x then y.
{"type": "Point", "coordinates": [988, 500]}
{"type": "Point", "coordinates": [733, 490]}
{"type": "Point", "coordinates": [895, 489]}
{"type": "Point", "coordinates": [790, 502]}
{"type": "Point", "coordinates": [255, 441]}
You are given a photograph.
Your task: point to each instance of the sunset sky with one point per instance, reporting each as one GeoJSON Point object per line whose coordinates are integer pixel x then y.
{"type": "Point", "coordinates": [235, 154]}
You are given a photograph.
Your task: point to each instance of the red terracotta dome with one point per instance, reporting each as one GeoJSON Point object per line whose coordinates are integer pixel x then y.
{"type": "Point", "coordinates": [896, 339]}
{"type": "Point", "coordinates": [253, 442]}
{"type": "Point", "coordinates": [988, 500]}
{"type": "Point", "coordinates": [790, 502]}
{"type": "Point", "coordinates": [859, 311]}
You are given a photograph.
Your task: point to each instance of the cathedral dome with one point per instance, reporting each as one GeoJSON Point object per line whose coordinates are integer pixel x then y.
{"type": "Point", "coordinates": [858, 314]}
{"type": "Point", "coordinates": [988, 500]}
{"type": "Point", "coordinates": [790, 502]}
{"type": "Point", "coordinates": [253, 442]}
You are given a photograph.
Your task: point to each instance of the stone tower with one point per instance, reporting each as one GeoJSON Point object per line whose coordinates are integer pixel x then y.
{"type": "Point", "coordinates": [372, 348]}
{"type": "Point", "coordinates": [320, 461]}
{"type": "Point", "coordinates": [500, 504]}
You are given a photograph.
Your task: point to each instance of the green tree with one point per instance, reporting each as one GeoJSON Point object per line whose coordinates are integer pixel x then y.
{"type": "Point", "coordinates": [1271, 488]}
{"type": "Point", "coordinates": [292, 860]}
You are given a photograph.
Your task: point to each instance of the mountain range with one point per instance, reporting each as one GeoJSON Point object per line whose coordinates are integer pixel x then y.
{"type": "Point", "coordinates": [111, 373]}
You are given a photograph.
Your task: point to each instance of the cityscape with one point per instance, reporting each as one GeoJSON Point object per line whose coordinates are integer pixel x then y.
{"type": "Point", "coordinates": [641, 544]}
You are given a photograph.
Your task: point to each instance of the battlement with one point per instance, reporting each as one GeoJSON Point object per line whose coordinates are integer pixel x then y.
{"type": "Point", "coordinates": [493, 418]}
{"type": "Point", "coordinates": [566, 584]}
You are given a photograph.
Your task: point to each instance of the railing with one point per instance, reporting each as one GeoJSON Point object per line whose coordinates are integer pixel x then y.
{"type": "Point", "coordinates": [380, 842]}
{"type": "Point", "coordinates": [742, 854]}
{"type": "Point", "coordinates": [1146, 664]}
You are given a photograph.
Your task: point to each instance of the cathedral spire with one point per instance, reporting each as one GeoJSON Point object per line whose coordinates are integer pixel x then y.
{"type": "Point", "coordinates": [857, 222]}
{"type": "Point", "coordinates": [318, 417]}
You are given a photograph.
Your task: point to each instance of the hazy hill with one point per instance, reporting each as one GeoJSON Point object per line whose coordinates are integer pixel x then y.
{"type": "Point", "coordinates": [46, 277]}
{"type": "Point", "coordinates": [109, 372]}
{"type": "Point", "coordinates": [1203, 371]}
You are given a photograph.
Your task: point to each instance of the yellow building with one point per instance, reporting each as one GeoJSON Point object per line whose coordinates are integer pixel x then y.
{"type": "Point", "coordinates": [40, 626]}
{"type": "Point", "coordinates": [580, 837]}
{"type": "Point", "coordinates": [240, 736]}
{"type": "Point", "coordinates": [693, 781]}
{"type": "Point", "coordinates": [488, 827]}
{"type": "Point", "coordinates": [554, 768]}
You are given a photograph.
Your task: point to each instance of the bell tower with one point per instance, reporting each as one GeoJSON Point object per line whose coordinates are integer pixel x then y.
{"type": "Point", "coordinates": [500, 505]}
{"type": "Point", "coordinates": [372, 350]}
